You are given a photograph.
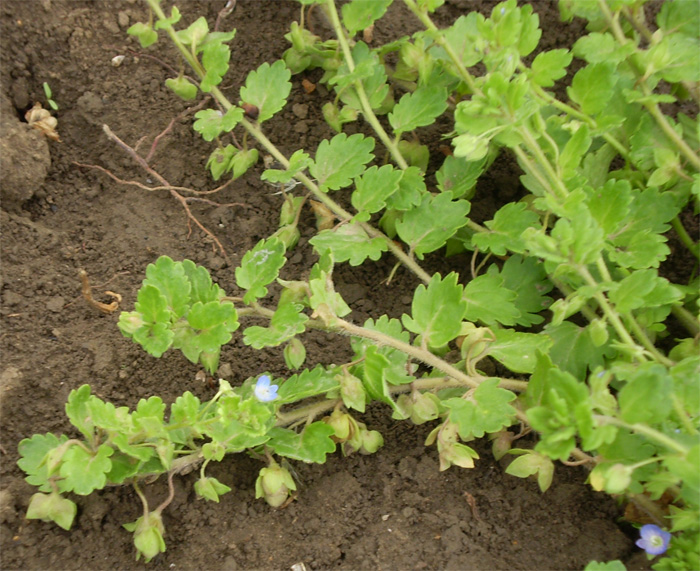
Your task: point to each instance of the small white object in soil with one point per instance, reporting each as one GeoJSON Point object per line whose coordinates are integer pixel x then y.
{"type": "Point", "coordinates": [117, 60]}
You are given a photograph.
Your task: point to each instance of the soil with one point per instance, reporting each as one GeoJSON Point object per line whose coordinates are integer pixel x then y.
{"type": "Point", "coordinates": [392, 510]}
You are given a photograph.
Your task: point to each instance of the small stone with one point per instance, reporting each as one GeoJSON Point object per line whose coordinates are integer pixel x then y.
{"type": "Point", "coordinates": [110, 24]}
{"type": "Point", "coordinates": [55, 304]}
{"type": "Point", "coordinates": [301, 127]}
{"type": "Point", "coordinates": [225, 371]}
{"type": "Point", "coordinates": [301, 110]}
{"type": "Point", "coordinates": [123, 19]}
{"type": "Point", "coordinates": [20, 93]}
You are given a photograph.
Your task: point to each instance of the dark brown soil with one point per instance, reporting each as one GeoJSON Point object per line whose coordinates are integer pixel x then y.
{"type": "Point", "coordinates": [392, 510]}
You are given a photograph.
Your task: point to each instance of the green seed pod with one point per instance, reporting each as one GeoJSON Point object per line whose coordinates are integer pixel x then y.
{"type": "Point", "coordinates": [274, 484]}
{"type": "Point", "coordinates": [371, 442]}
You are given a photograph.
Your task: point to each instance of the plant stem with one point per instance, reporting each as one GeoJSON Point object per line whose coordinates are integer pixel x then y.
{"type": "Point", "coordinates": [613, 317]}
{"type": "Point", "coordinates": [689, 321]}
{"type": "Point", "coordinates": [369, 115]}
{"type": "Point", "coordinates": [685, 237]}
{"type": "Point", "coordinates": [322, 197]}
{"type": "Point", "coordinates": [653, 434]}
{"type": "Point", "coordinates": [425, 356]}
{"type": "Point", "coordinates": [444, 44]}
{"type": "Point", "coordinates": [652, 107]}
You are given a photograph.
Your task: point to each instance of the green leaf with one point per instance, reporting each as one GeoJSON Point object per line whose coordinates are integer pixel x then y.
{"type": "Point", "coordinates": [374, 377]}
{"type": "Point", "coordinates": [194, 33]}
{"type": "Point", "coordinates": [549, 66]}
{"type": "Point", "coordinates": [286, 322]}
{"type": "Point", "coordinates": [52, 507]}
{"type": "Point", "coordinates": [78, 412]}
{"type": "Point", "coordinates": [485, 410]}
{"type": "Point", "coordinates": [411, 190]}
{"type": "Point", "coordinates": [418, 109]}
{"type": "Point", "coordinates": [311, 445]}
{"type": "Point", "coordinates": [201, 287]}
{"type": "Point", "coordinates": [165, 23]}
{"type": "Point", "coordinates": [182, 87]}
{"type": "Point", "coordinates": [341, 159]}
{"type": "Point", "coordinates": [307, 384]}
{"type": "Point", "coordinates": [416, 155]}
{"type": "Point", "coordinates": [464, 38]}
{"type": "Point", "coordinates": [531, 463]}
{"type": "Point", "coordinates": [361, 14]}
{"type": "Point", "coordinates": [220, 160]}
{"type": "Point", "coordinates": [592, 87]}
{"type": "Point", "coordinates": [610, 204]}
{"type": "Point", "coordinates": [437, 311]}
{"type": "Point", "coordinates": [616, 565]}
{"type": "Point", "coordinates": [185, 409]}
{"type": "Point", "coordinates": [506, 229]}
{"type": "Point", "coordinates": [679, 17]}
{"type": "Point", "coordinates": [370, 71]}
{"type": "Point", "coordinates": [297, 163]}
{"type": "Point", "coordinates": [601, 48]}
{"type": "Point", "coordinates": [459, 176]}
{"type": "Point", "coordinates": [212, 122]}
{"type": "Point", "coordinates": [373, 188]}
{"type": "Point", "coordinates": [32, 460]}
{"type": "Point", "coordinates": [210, 489]}
{"type": "Point", "coordinates": [528, 279]}
{"type": "Point", "coordinates": [643, 288]}
{"type": "Point", "coordinates": [170, 280]}
{"type": "Point", "coordinates": [517, 350]}
{"type": "Point", "coordinates": [215, 321]}
{"type": "Point", "coordinates": [428, 227]}
{"type": "Point", "coordinates": [144, 32]}
{"type": "Point", "coordinates": [325, 301]}
{"type": "Point", "coordinates": [349, 243]}
{"type": "Point", "coordinates": [83, 471]}
{"type": "Point", "coordinates": [267, 88]}
{"type": "Point", "coordinates": [215, 58]}
{"type": "Point", "coordinates": [259, 267]}
{"type": "Point", "coordinates": [489, 301]}
{"type": "Point", "coordinates": [396, 371]}
{"type": "Point", "coordinates": [573, 349]}
{"type": "Point", "coordinates": [242, 161]}
{"type": "Point", "coordinates": [647, 398]}
{"type": "Point", "coordinates": [640, 244]}
{"type": "Point", "coordinates": [574, 150]}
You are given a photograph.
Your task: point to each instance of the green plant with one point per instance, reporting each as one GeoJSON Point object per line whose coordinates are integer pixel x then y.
{"type": "Point", "coordinates": [49, 97]}
{"type": "Point", "coordinates": [595, 373]}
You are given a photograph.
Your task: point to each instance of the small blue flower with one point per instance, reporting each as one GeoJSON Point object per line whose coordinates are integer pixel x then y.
{"type": "Point", "coordinates": [264, 391]}
{"type": "Point", "coordinates": [654, 540]}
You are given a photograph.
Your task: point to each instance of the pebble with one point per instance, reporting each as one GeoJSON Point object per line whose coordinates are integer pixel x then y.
{"type": "Point", "coordinates": [123, 19]}
{"type": "Point", "coordinates": [300, 110]}
{"type": "Point", "coordinates": [55, 304]}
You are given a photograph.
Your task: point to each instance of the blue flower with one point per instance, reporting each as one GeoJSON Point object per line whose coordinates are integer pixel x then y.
{"type": "Point", "coordinates": [264, 391]}
{"type": "Point", "coordinates": [654, 540]}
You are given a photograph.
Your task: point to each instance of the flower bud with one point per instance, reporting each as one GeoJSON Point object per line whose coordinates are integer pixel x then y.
{"type": "Point", "coordinates": [274, 484]}
{"type": "Point", "coordinates": [342, 424]}
{"type": "Point", "coordinates": [352, 391]}
{"type": "Point", "coordinates": [371, 441]}
{"type": "Point", "coordinates": [148, 535]}
{"type": "Point", "coordinates": [290, 209]}
{"type": "Point", "coordinates": [130, 322]}
{"type": "Point", "coordinates": [294, 353]}
{"type": "Point", "coordinates": [502, 442]}
{"type": "Point", "coordinates": [425, 407]}
{"type": "Point", "coordinates": [288, 235]}
{"type": "Point", "coordinates": [293, 292]}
